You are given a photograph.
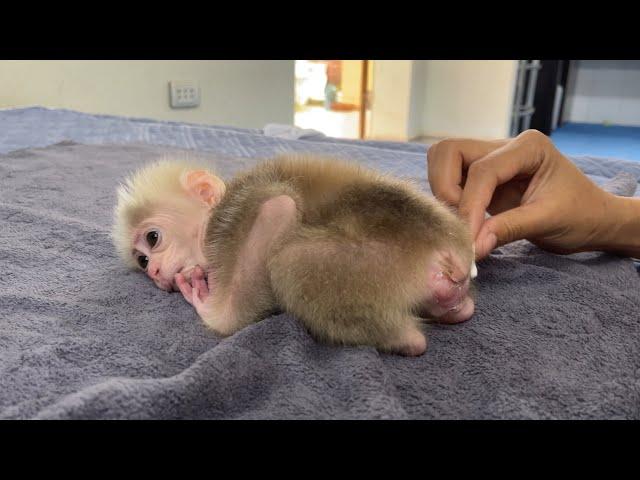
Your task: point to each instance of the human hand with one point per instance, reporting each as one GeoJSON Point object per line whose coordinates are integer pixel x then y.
{"type": "Point", "coordinates": [531, 190]}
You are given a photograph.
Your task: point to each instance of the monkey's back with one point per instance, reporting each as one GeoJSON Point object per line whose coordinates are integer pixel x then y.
{"type": "Point", "coordinates": [349, 267]}
{"type": "Point", "coordinates": [360, 202]}
{"type": "Point", "coordinates": [342, 199]}
{"type": "Point", "coordinates": [341, 196]}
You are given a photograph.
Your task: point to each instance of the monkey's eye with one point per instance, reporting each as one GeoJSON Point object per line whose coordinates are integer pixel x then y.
{"type": "Point", "coordinates": [143, 261]}
{"type": "Point", "coordinates": [152, 238]}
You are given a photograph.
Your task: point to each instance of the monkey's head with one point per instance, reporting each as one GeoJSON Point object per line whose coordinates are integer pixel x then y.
{"type": "Point", "coordinates": [161, 218]}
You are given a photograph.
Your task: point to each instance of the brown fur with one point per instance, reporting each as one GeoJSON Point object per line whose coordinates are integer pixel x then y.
{"type": "Point", "coordinates": [351, 264]}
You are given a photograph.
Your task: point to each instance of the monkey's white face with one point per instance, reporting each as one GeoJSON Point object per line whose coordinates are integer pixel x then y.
{"type": "Point", "coordinates": [167, 244]}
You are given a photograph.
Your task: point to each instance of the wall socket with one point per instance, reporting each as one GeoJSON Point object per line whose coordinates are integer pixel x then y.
{"type": "Point", "coordinates": [184, 94]}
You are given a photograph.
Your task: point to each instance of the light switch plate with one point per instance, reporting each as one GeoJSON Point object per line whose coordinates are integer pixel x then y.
{"type": "Point", "coordinates": [184, 94]}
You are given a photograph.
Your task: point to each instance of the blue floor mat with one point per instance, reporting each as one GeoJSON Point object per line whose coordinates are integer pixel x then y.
{"type": "Point", "coordinates": [598, 140]}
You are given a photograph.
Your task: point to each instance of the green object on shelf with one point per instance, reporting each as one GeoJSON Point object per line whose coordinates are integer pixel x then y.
{"type": "Point", "coordinates": [330, 92]}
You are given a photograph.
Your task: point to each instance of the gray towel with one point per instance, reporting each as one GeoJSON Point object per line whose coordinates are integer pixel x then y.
{"type": "Point", "coordinates": [623, 184]}
{"type": "Point", "coordinates": [83, 337]}
{"type": "Point", "coordinates": [290, 132]}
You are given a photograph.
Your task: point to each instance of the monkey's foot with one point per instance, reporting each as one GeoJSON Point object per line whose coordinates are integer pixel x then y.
{"type": "Point", "coordinates": [411, 343]}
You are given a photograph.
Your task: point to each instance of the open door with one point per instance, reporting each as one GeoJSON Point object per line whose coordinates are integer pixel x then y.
{"type": "Point", "coordinates": [540, 94]}
{"type": "Point", "coordinates": [332, 96]}
{"type": "Point", "coordinates": [550, 94]}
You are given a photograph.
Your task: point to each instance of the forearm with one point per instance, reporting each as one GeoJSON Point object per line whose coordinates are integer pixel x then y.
{"type": "Point", "coordinates": [622, 235]}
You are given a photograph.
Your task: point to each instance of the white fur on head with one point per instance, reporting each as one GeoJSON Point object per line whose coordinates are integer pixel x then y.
{"type": "Point", "coordinates": [142, 192]}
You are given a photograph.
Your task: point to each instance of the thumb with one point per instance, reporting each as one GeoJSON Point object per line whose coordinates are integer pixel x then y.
{"type": "Point", "coordinates": [526, 221]}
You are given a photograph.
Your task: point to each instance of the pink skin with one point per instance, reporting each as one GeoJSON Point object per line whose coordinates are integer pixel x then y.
{"type": "Point", "coordinates": [169, 256]}
{"type": "Point", "coordinates": [176, 261]}
{"type": "Point", "coordinates": [197, 290]}
{"type": "Point", "coordinates": [181, 229]}
{"type": "Point", "coordinates": [447, 281]}
{"type": "Point", "coordinates": [448, 300]}
{"type": "Point", "coordinates": [275, 215]}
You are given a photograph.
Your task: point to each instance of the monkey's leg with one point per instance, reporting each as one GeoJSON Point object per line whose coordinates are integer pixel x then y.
{"type": "Point", "coordinates": [433, 248]}
{"type": "Point", "coordinates": [347, 292]}
{"type": "Point", "coordinates": [410, 341]}
{"type": "Point", "coordinates": [248, 296]}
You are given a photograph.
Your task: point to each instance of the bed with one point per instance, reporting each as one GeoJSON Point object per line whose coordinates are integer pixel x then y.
{"type": "Point", "coordinates": [82, 337]}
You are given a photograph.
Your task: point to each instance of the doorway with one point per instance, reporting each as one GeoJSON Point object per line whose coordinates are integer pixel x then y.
{"type": "Point", "coordinates": [333, 97]}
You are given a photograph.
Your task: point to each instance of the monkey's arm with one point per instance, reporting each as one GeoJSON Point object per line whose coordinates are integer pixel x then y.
{"type": "Point", "coordinates": [229, 307]}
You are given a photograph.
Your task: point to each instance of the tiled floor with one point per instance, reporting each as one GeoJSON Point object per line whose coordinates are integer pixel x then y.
{"type": "Point", "coordinates": [598, 140]}
{"type": "Point", "coordinates": [572, 138]}
{"type": "Point", "coordinates": [589, 139]}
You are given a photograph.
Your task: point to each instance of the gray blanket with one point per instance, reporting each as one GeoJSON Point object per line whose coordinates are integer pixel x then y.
{"type": "Point", "coordinates": [82, 337]}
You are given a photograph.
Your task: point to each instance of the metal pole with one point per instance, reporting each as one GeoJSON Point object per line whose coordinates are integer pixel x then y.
{"type": "Point", "coordinates": [518, 97]}
{"type": "Point", "coordinates": [534, 66]}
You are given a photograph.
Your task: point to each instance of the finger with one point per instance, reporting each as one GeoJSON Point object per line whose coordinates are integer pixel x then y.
{"type": "Point", "coordinates": [486, 174]}
{"type": "Point", "coordinates": [198, 272]}
{"type": "Point", "coordinates": [184, 287]}
{"type": "Point", "coordinates": [199, 282]}
{"type": "Point", "coordinates": [200, 286]}
{"type": "Point", "coordinates": [199, 300]}
{"type": "Point", "coordinates": [446, 161]}
{"type": "Point", "coordinates": [444, 172]}
{"type": "Point", "coordinates": [196, 299]}
{"type": "Point", "coordinates": [527, 221]}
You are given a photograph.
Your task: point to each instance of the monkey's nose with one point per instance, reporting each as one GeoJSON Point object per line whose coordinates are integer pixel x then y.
{"type": "Point", "coordinates": [154, 271]}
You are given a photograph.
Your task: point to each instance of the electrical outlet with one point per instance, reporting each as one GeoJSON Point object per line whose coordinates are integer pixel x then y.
{"type": "Point", "coordinates": [184, 94]}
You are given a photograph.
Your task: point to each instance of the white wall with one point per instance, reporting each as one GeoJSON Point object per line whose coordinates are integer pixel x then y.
{"type": "Point", "coordinates": [410, 98]}
{"type": "Point", "coordinates": [603, 91]}
{"type": "Point", "coordinates": [442, 98]}
{"type": "Point", "coordinates": [415, 126]}
{"type": "Point", "coordinates": [468, 98]}
{"type": "Point", "coordinates": [243, 93]}
{"type": "Point", "coordinates": [391, 97]}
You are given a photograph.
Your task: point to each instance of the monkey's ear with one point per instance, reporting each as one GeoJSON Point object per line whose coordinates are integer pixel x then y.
{"type": "Point", "coordinates": [203, 186]}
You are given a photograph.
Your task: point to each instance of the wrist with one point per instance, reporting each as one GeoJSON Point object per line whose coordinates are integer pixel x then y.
{"type": "Point", "coordinates": [620, 229]}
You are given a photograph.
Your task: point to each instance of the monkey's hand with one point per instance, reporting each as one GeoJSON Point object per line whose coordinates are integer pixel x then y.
{"type": "Point", "coordinates": [197, 292]}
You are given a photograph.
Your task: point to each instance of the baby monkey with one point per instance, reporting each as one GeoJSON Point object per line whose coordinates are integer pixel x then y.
{"type": "Point", "coordinates": [359, 257]}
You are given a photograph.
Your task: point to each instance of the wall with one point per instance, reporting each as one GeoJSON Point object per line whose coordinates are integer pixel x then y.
{"type": "Point", "coordinates": [410, 98]}
{"type": "Point", "coordinates": [415, 126]}
{"type": "Point", "coordinates": [439, 98]}
{"type": "Point", "coordinates": [243, 93]}
{"type": "Point", "coordinates": [351, 81]}
{"type": "Point", "coordinates": [468, 98]}
{"type": "Point", "coordinates": [603, 91]}
{"type": "Point", "coordinates": [391, 97]}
